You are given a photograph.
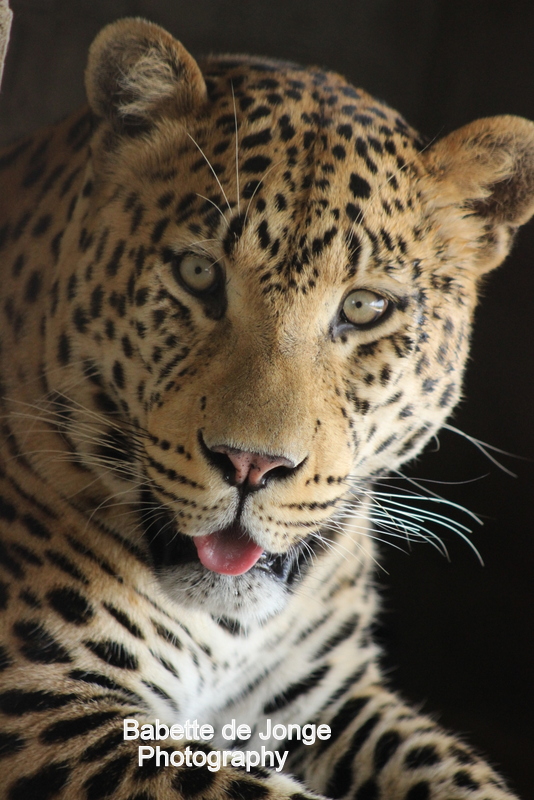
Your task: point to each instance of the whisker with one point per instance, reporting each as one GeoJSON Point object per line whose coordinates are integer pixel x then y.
{"type": "Point", "coordinates": [204, 156]}
{"type": "Point", "coordinates": [236, 150]}
{"type": "Point", "coordinates": [484, 447]}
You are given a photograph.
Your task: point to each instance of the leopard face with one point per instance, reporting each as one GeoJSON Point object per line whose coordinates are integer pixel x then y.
{"type": "Point", "coordinates": [262, 302]}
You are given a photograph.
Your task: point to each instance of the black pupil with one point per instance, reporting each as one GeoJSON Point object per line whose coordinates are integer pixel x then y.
{"type": "Point", "coordinates": [198, 270]}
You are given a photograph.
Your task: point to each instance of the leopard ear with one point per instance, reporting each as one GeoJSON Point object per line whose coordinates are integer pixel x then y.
{"type": "Point", "coordinates": [137, 72]}
{"type": "Point", "coordinates": [482, 185]}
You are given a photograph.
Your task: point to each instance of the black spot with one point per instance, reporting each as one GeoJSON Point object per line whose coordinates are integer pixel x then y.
{"type": "Point", "coordinates": [250, 188]}
{"type": "Point", "coordinates": [33, 175]}
{"type": "Point", "coordinates": [339, 152]}
{"type": "Point", "coordinates": [159, 229]}
{"type": "Point", "coordinates": [386, 238]}
{"type": "Point", "coordinates": [66, 186]}
{"type": "Point", "coordinates": [246, 790]}
{"type": "Point", "coordinates": [44, 784]}
{"type": "Point", "coordinates": [38, 645]}
{"type": "Point", "coordinates": [429, 384]}
{"type": "Point", "coordinates": [101, 680]}
{"type": "Point", "coordinates": [419, 791]}
{"type": "Point", "coordinates": [103, 746]}
{"type": "Point", "coordinates": [127, 348]}
{"type": "Point", "coordinates": [4, 233]}
{"type": "Point", "coordinates": [295, 690]}
{"type": "Point", "coordinates": [21, 225]}
{"type": "Point", "coordinates": [124, 620]}
{"type": "Point", "coordinates": [256, 164]}
{"type": "Point", "coordinates": [5, 660]}
{"type": "Point", "coordinates": [345, 632]}
{"type": "Point", "coordinates": [71, 605]}
{"type": "Point", "coordinates": [463, 779]}
{"type": "Point", "coordinates": [359, 186]}
{"type": "Point", "coordinates": [447, 396]}
{"type": "Point", "coordinates": [165, 200]}
{"type": "Point", "coordinates": [118, 374]}
{"type": "Point", "coordinates": [7, 510]}
{"type": "Point", "coordinates": [11, 564]}
{"type": "Point", "coordinates": [11, 743]}
{"type": "Point", "coordinates": [308, 139]}
{"type": "Point", "coordinates": [113, 264]}
{"type": "Point", "coordinates": [462, 755]}
{"type": "Point", "coordinates": [63, 349]}
{"type": "Point", "coordinates": [263, 235]}
{"type": "Point", "coordinates": [12, 155]}
{"type": "Point", "coordinates": [191, 781]}
{"type": "Point", "coordinates": [161, 693]}
{"type": "Point", "coordinates": [141, 296]}
{"type": "Point", "coordinates": [342, 776]}
{"type": "Point", "coordinates": [424, 756]}
{"type": "Point", "coordinates": [258, 113]}
{"type": "Point", "coordinates": [97, 297]}
{"type": "Point", "coordinates": [167, 635]}
{"type": "Point", "coordinates": [367, 791]}
{"type": "Point", "coordinates": [87, 190]}
{"type": "Point", "coordinates": [33, 287]}
{"type": "Point", "coordinates": [235, 229]}
{"type": "Point", "coordinates": [287, 131]}
{"type": "Point", "coordinates": [386, 443]}
{"type": "Point", "coordinates": [255, 139]}
{"type": "Point", "coordinates": [80, 131]}
{"type": "Point", "coordinates": [80, 319]}
{"type": "Point", "coordinates": [66, 565]}
{"type": "Point", "coordinates": [354, 212]}
{"type": "Point", "coordinates": [18, 265]}
{"type": "Point", "coordinates": [67, 729]}
{"type": "Point", "coordinates": [31, 599]}
{"type": "Point", "coordinates": [17, 702]}
{"type": "Point", "coordinates": [385, 375]}
{"type": "Point", "coordinates": [281, 203]}
{"type": "Point", "coordinates": [26, 554]}
{"type": "Point", "coordinates": [385, 748]}
{"type": "Point", "coordinates": [4, 595]}
{"type": "Point", "coordinates": [104, 402]}
{"type": "Point", "coordinates": [102, 784]}
{"type": "Point", "coordinates": [113, 653]}
{"type": "Point", "coordinates": [346, 714]}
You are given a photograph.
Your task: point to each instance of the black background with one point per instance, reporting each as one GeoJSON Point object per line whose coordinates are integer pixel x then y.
{"type": "Point", "coordinates": [458, 635]}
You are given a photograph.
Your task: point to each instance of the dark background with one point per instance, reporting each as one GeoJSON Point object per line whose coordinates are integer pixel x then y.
{"type": "Point", "coordinates": [458, 635]}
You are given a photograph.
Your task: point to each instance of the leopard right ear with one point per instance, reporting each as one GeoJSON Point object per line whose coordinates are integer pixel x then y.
{"type": "Point", "coordinates": [482, 187]}
{"type": "Point", "coordinates": [137, 73]}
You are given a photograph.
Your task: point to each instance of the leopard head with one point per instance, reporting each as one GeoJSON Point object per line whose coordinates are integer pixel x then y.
{"type": "Point", "coordinates": [276, 286]}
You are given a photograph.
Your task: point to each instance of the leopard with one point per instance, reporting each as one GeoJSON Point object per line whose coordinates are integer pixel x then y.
{"type": "Point", "coordinates": [237, 292]}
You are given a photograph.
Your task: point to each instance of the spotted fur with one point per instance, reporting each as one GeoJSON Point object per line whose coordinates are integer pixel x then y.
{"type": "Point", "coordinates": [132, 401]}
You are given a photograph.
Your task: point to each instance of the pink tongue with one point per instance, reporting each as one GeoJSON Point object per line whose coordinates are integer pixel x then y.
{"type": "Point", "coordinates": [227, 552]}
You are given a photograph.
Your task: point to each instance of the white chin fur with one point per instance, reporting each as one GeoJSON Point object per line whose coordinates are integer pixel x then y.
{"type": "Point", "coordinates": [249, 598]}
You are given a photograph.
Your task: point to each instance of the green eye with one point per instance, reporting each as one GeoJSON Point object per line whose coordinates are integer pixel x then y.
{"type": "Point", "coordinates": [196, 273]}
{"type": "Point", "coordinates": [363, 308]}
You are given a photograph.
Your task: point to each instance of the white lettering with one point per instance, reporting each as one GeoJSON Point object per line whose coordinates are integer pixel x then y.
{"type": "Point", "coordinates": [131, 729]}
{"type": "Point", "coordinates": [145, 752]}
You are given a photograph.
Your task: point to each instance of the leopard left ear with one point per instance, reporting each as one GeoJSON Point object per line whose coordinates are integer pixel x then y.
{"type": "Point", "coordinates": [482, 185]}
{"type": "Point", "coordinates": [138, 73]}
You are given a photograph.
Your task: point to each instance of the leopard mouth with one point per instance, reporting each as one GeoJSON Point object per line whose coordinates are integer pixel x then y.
{"type": "Point", "coordinates": [228, 551]}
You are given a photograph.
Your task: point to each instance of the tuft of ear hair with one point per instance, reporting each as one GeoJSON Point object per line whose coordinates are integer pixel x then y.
{"type": "Point", "coordinates": [485, 173]}
{"type": "Point", "coordinates": [137, 73]}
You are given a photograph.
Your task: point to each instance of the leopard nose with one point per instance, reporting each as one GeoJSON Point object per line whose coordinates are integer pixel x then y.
{"type": "Point", "coordinates": [242, 468]}
{"type": "Point", "coordinates": [252, 468]}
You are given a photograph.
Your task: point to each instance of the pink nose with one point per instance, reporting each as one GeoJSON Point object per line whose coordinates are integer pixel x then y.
{"type": "Point", "coordinates": [252, 468]}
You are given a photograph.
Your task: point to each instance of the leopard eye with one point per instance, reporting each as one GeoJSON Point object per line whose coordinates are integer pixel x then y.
{"type": "Point", "coordinates": [196, 273]}
{"type": "Point", "coordinates": [363, 308]}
